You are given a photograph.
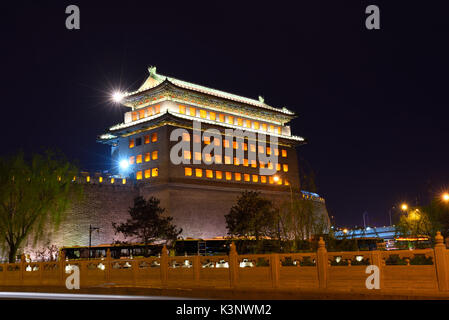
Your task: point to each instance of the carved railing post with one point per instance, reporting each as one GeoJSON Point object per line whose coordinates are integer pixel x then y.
{"type": "Point", "coordinates": [108, 265]}
{"type": "Point", "coordinates": [441, 264]}
{"type": "Point", "coordinates": [322, 263]}
{"type": "Point", "coordinates": [164, 266]}
{"type": "Point", "coordinates": [196, 269]}
{"type": "Point", "coordinates": [22, 268]}
{"type": "Point", "coordinates": [275, 269]}
{"type": "Point", "coordinates": [233, 266]}
{"type": "Point", "coordinates": [61, 266]}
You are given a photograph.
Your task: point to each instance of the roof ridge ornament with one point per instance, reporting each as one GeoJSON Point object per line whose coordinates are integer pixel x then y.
{"type": "Point", "coordinates": [261, 99]}
{"type": "Point", "coordinates": [152, 71]}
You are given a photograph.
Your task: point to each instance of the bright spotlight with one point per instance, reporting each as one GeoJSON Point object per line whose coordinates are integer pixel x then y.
{"type": "Point", "coordinates": [117, 96]}
{"type": "Point", "coordinates": [445, 197]}
{"type": "Point", "coordinates": [124, 164]}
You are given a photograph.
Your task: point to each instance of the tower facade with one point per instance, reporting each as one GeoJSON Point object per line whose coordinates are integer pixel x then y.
{"type": "Point", "coordinates": [197, 149]}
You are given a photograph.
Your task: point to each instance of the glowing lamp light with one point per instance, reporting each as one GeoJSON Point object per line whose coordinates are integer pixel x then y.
{"type": "Point", "coordinates": [404, 207]}
{"type": "Point", "coordinates": [275, 178]}
{"type": "Point", "coordinates": [124, 164]}
{"type": "Point", "coordinates": [445, 197]}
{"type": "Point", "coordinates": [359, 258]}
{"type": "Point", "coordinates": [117, 96]}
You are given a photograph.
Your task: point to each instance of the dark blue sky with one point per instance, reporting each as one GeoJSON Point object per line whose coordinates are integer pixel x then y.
{"type": "Point", "coordinates": [372, 104]}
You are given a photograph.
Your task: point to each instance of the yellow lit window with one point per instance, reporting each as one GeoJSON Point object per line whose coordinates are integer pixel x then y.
{"type": "Point", "coordinates": [131, 160]}
{"type": "Point", "coordinates": [278, 166]}
{"type": "Point", "coordinates": [276, 152]}
{"type": "Point", "coordinates": [203, 114]}
{"type": "Point", "coordinates": [240, 121]}
{"type": "Point", "coordinates": [268, 150]}
{"type": "Point", "coordinates": [185, 136]}
{"type": "Point", "coordinates": [209, 174]}
{"type": "Point", "coordinates": [271, 128]}
{"type": "Point", "coordinates": [192, 111]}
{"type": "Point", "coordinates": [286, 182]}
{"type": "Point", "coordinates": [212, 115]}
{"type": "Point", "coordinates": [252, 147]}
{"type": "Point", "coordinates": [154, 172]}
{"type": "Point", "coordinates": [285, 167]}
{"type": "Point", "coordinates": [245, 162]}
{"type": "Point", "coordinates": [147, 173]}
{"type": "Point", "coordinates": [187, 155]}
{"type": "Point", "coordinates": [230, 119]}
{"type": "Point", "coordinates": [150, 111]}
{"type": "Point", "coordinates": [248, 124]}
{"type": "Point", "coordinates": [208, 157]}
{"type": "Point", "coordinates": [216, 141]}
{"type": "Point", "coordinates": [146, 139]}
{"type": "Point", "coordinates": [254, 163]}
{"type": "Point", "coordinates": [221, 118]}
{"type": "Point", "coordinates": [228, 176]}
{"type": "Point", "coordinates": [279, 181]}
{"type": "Point", "coordinates": [112, 180]}
{"type": "Point", "coordinates": [206, 140]}
{"type": "Point", "coordinates": [199, 173]}
{"type": "Point", "coordinates": [256, 125]}
{"type": "Point", "coordinates": [270, 165]}
{"type": "Point", "coordinates": [88, 179]}
{"type": "Point", "coordinates": [236, 161]}
{"type": "Point", "coordinates": [264, 126]}
{"type": "Point", "coordinates": [100, 179]}
{"type": "Point", "coordinates": [131, 143]}
{"type": "Point", "coordinates": [271, 179]}
{"type": "Point", "coordinates": [134, 116]}
{"type": "Point", "coordinates": [198, 156]}
{"type": "Point", "coordinates": [188, 171]}
{"type": "Point", "coordinates": [182, 109]}
{"type": "Point", "coordinates": [154, 137]}
{"type": "Point", "coordinates": [226, 143]}
{"type": "Point", "coordinates": [196, 138]}
{"type": "Point", "coordinates": [218, 159]}
{"type": "Point", "coordinates": [263, 179]}
{"type": "Point", "coordinates": [245, 146]}
{"type": "Point", "coordinates": [154, 155]}
{"type": "Point", "coordinates": [261, 149]}
{"type": "Point", "coordinates": [227, 160]}
{"type": "Point", "coordinates": [147, 157]}
{"type": "Point", "coordinates": [246, 177]}
{"type": "Point", "coordinates": [139, 175]}
{"type": "Point", "coordinates": [235, 145]}
{"type": "Point", "coordinates": [218, 175]}
{"type": "Point", "coordinates": [123, 181]}
{"type": "Point", "coordinates": [262, 164]}
{"type": "Point", "coordinates": [139, 158]}
{"type": "Point", "coordinates": [157, 109]}
{"type": "Point", "coordinates": [238, 176]}
{"type": "Point", "coordinates": [284, 153]}
{"type": "Point", "coordinates": [141, 114]}
{"type": "Point", "coordinates": [255, 178]}
{"type": "Point", "coordinates": [279, 130]}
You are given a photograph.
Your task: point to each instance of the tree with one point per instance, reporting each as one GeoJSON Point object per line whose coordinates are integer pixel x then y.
{"type": "Point", "coordinates": [251, 216]}
{"type": "Point", "coordinates": [33, 194]}
{"type": "Point", "coordinates": [147, 223]}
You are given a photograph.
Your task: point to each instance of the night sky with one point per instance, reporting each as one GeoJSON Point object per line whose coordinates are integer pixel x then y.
{"type": "Point", "coordinates": [372, 104]}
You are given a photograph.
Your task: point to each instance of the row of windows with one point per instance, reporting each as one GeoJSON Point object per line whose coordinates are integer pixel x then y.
{"type": "Point", "coordinates": [143, 157]}
{"type": "Point", "coordinates": [145, 112]}
{"type": "Point", "coordinates": [100, 179]}
{"type": "Point", "coordinates": [229, 119]}
{"type": "Point", "coordinates": [154, 172]}
{"type": "Point", "coordinates": [146, 139]}
{"type": "Point", "coordinates": [237, 161]}
{"type": "Point", "coordinates": [220, 175]}
{"type": "Point", "coordinates": [235, 144]}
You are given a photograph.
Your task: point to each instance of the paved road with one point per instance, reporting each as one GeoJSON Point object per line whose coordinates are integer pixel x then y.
{"type": "Point", "coordinates": [80, 296]}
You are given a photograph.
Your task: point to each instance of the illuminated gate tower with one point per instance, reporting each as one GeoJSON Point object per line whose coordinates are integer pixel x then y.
{"type": "Point", "coordinates": [198, 196]}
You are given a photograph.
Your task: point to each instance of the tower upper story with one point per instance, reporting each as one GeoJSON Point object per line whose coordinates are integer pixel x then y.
{"type": "Point", "coordinates": [165, 101]}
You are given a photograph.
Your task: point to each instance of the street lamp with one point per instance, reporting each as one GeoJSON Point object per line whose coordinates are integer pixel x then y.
{"type": "Point", "coordinates": [90, 236]}
{"type": "Point", "coordinates": [404, 207]}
